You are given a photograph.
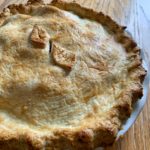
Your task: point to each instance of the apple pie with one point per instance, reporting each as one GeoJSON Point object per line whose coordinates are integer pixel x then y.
{"type": "Point", "coordinates": [69, 77]}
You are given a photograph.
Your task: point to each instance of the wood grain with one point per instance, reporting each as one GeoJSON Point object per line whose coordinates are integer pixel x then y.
{"type": "Point", "coordinates": [133, 14]}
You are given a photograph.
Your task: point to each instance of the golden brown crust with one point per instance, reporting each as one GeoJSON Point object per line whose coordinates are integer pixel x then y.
{"type": "Point", "coordinates": [96, 134]}
{"type": "Point", "coordinates": [39, 37]}
{"type": "Point", "coordinates": [62, 57]}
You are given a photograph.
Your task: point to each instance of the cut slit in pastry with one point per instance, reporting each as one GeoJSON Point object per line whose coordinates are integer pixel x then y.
{"type": "Point", "coordinates": [42, 107]}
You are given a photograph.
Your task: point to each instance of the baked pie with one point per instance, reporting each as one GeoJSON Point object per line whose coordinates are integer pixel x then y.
{"type": "Point", "coordinates": [69, 77]}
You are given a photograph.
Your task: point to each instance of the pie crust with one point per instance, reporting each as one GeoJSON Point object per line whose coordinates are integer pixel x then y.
{"type": "Point", "coordinates": [69, 77]}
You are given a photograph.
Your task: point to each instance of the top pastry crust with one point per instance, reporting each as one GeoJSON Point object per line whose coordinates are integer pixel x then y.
{"type": "Point", "coordinates": [69, 77]}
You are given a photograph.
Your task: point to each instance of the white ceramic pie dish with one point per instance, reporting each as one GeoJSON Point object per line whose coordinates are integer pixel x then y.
{"type": "Point", "coordinates": [140, 103]}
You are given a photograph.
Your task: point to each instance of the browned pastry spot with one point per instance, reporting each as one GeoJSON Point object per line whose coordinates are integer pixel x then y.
{"type": "Point", "coordinates": [62, 57]}
{"type": "Point", "coordinates": [35, 1]}
{"type": "Point", "coordinates": [39, 36]}
{"type": "Point", "coordinates": [86, 135]}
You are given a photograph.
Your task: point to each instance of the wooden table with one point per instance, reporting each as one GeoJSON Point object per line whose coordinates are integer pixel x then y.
{"type": "Point", "coordinates": [135, 15]}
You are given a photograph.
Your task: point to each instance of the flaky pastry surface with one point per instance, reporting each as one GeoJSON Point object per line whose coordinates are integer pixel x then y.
{"type": "Point", "coordinates": [69, 77]}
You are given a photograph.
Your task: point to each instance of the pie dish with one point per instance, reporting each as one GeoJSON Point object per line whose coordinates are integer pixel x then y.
{"type": "Point", "coordinates": [69, 77]}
